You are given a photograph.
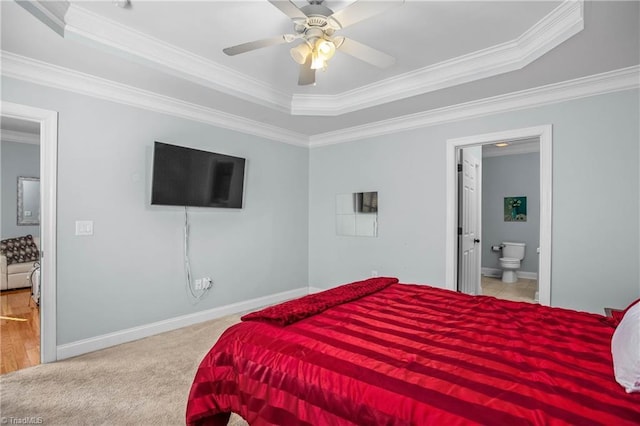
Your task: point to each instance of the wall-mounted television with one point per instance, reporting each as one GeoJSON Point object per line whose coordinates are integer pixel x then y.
{"type": "Point", "coordinates": [190, 177]}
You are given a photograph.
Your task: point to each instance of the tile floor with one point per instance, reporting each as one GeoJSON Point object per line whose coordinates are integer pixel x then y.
{"type": "Point", "coordinates": [524, 290]}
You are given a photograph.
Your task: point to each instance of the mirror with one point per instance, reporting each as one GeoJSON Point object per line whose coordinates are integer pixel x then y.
{"type": "Point", "coordinates": [28, 201]}
{"type": "Point", "coordinates": [357, 214]}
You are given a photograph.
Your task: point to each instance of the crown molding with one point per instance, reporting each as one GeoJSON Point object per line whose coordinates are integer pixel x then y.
{"type": "Point", "coordinates": [88, 27]}
{"type": "Point", "coordinates": [19, 137]}
{"type": "Point", "coordinates": [51, 13]}
{"type": "Point", "coordinates": [75, 22]}
{"type": "Point", "coordinates": [558, 26]}
{"type": "Point", "coordinates": [38, 72]}
{"type": "Point", "coordinates": [599, 84]}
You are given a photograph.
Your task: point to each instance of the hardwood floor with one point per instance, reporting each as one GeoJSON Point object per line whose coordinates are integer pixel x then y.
{"type": "Point", "coordinates": [522, 291]}
{"type": "Point", "coordinates": [19, 340]}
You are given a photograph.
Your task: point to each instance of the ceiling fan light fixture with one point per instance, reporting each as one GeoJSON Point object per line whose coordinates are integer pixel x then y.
{"type": "Point", "coordinates": [317, 24]}
{"type": "Point", "coordinates": [300, 53]}
{"type": "Point", "coordinates": [317, 61]}
{"type": "Point", "coordinates": [325, 49]}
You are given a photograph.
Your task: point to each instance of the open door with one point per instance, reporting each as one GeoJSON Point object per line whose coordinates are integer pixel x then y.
{"type": "Point", "coordinates": [469, 211]}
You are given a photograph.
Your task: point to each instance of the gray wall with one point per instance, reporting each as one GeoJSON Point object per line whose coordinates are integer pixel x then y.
{"type": "Point", "coordinates": [595, 166]}
{"type": "Point", "coordinates": [130, 272]}
{"type": "Point", "coordinates": [18, 159]}
{"type": "Point", "coordinates": [508, 176]}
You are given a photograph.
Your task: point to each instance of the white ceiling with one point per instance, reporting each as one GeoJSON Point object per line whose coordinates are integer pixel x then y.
{"type": "Point", "coordinates": [523, 146]}
{"type": "Point", "coordinates": [447, 53]}
{"type": "Point", "coordinates": [417, 34]}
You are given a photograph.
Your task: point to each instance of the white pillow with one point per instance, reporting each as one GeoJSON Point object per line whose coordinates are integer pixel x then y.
{"type": "Point", "coordinates": [625, 348]}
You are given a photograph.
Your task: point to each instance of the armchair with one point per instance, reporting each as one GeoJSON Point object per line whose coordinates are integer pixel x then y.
{"type": "Point", "coordinates": [16, 275]}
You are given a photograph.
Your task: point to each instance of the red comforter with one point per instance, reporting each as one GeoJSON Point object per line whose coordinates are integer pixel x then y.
{"type": "Point", "coordinates": [412, 355]}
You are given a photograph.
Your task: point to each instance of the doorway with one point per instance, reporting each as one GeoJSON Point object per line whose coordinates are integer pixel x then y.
{"type": "Point", "coordinates": [510, 225]}
{"type": "Point", "coordinates": [544, 135]}
{"type": "Point", "coordinates": [20, 227]}
{"type": "Point", "coordinates": [48, 134]}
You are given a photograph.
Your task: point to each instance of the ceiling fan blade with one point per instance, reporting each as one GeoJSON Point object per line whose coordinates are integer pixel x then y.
{"type": "Point", "coordinates": [289, 8]}
{"type": "Point", "coordinates": [258, 44]}
{"type": "Point", "coordinates": [364, 52]}
{"type": "Point", "coordinates": [361, 10]}
{"type": "Point", "coordinates": [307, 74]}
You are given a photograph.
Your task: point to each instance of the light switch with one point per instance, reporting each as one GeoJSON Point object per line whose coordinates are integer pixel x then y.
{"type": "Point", "coordinates": [84, 227]}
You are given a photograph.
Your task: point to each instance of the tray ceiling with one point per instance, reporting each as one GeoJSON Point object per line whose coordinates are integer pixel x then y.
{"type": "Point", "coordinates": [447, 53]}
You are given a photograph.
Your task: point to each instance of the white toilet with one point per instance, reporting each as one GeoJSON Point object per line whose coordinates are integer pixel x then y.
{"type": "Point", "coordinates": [512, 254]}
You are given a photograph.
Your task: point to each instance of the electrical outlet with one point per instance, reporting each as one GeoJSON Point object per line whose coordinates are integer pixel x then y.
{"type": "Point", "coordinates": [202, 283]}
{"type": "Point", "coordinates": [206, 282]}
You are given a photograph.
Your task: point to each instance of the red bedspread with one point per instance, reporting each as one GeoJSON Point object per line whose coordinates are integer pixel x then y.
{"type": "Point", "coordinates": [410, 354]}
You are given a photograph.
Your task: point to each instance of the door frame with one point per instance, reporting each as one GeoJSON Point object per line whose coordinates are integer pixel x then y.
{"type": "Point", "coordinates": [48, 184]}
{"type": "Point", "coordinates": [545, 135]}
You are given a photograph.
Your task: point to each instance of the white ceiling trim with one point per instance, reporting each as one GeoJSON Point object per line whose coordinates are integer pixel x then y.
{"type": "Point", "coordinates": [50, 13]}
{"type": "Point", "coordinates": [558, 26]}
{"type": "Point", "coordinates": [83, 25]}
{"type": "Point", "coordinates": [38, 72]}
{"type": "Point", "coordinates": [19, 137]}
{"type": "Point", "coordinates": [79, 23]}
{"type": "Point", "coordinates": [612, 81]}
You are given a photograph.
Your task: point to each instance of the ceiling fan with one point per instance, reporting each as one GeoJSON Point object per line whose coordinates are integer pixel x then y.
{"type": "Point", "coordinates": [316, 25]}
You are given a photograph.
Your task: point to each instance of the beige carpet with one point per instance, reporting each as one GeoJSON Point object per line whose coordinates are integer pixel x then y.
{"type": "Point", "coordinates": [145, 382]}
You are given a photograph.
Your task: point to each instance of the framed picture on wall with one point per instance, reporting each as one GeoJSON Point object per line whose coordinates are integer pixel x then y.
{"type": "Point", "coordinates": [515, 209]}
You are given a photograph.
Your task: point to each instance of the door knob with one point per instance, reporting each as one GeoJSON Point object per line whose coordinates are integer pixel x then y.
{"type": "Point", "coordinates": [475, 240]}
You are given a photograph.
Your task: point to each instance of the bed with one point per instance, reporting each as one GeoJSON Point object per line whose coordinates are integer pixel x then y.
{"type": "Point", "coordinates": [377, 352]}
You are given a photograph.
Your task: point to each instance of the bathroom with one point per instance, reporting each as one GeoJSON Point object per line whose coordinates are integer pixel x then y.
{"type": "Point", "coordinates": [510, 214]}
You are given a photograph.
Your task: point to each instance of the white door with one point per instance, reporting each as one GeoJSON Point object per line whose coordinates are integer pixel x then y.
{"type": "Point", "coordinates": [469, 223]}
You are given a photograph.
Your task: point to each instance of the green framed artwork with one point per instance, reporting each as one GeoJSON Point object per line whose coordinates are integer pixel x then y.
{"type": "Point", "coordinates": [515, 209]}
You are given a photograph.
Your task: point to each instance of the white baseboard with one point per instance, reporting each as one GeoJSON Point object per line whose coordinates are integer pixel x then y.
{"type": "Point", "coordinates": [84, 346]}
{"type": "Point", "coordinates": [495, 272]}
{"type": "Point", "coordinates": [491, 272]}
{"type": "Point", "coordinates": [315, 290]}
{"type": "Point", "coordinates": [527, 275]}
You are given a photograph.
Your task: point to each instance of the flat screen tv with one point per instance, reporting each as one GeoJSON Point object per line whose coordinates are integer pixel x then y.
{"type": "Point", "coordinates": [189, 177]}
